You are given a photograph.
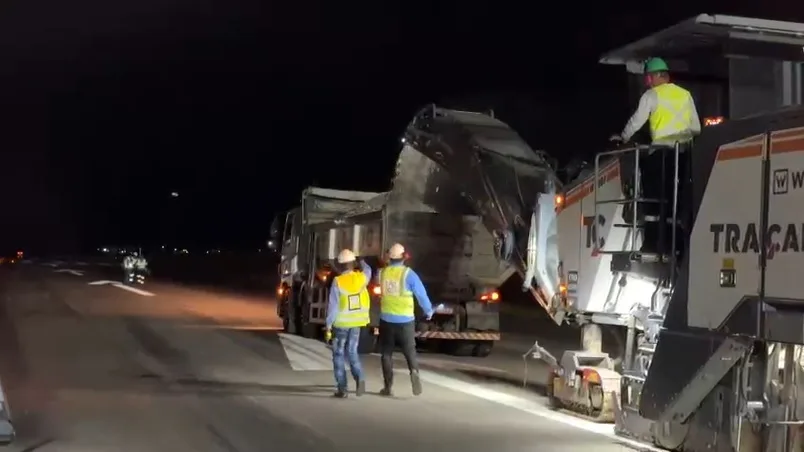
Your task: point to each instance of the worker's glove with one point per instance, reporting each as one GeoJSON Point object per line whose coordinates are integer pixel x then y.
{"type": "Point", "coordinates": [429, 315]}
{"type": "Point", "coordinates": [328, 335]}
{"type": "Point", "coordinates": [616, 139]}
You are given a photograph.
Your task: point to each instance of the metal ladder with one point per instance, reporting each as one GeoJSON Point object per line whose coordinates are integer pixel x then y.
{"type": "Point", "coordinates": [636, 225]}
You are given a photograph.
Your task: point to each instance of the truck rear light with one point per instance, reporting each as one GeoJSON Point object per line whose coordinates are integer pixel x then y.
{"type": "Point", "coordinates": [490, 297]}
{"type": "Point", "coordinates": [376, 290]}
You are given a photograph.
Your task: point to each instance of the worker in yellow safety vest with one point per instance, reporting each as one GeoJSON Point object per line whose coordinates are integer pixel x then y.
{"type": "Point", "coordinates": [672, 117]}
{"type": "Point", "coordinates": [668, 109]}
{"type": "Point", "coordinates": [400, 284]}
{"type": "Point", "coordinates": [347, 314]}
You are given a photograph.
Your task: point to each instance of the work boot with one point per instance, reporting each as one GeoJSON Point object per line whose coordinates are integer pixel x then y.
{"type": "Point", "coordinates": [386, 391]}
{"type": "Point", "coordinates": [415, 383]}
{"type": "Point", "coordinates": [361, 388]}
{"type": "Point", "coordinates": [340, 394]}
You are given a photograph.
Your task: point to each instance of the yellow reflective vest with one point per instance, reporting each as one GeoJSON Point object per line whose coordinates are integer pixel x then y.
{"type": "Point", "coordinates": [670, 121]}
{"type": "Point", "coordinates": [396, 298]}
{"type": "Point", "coordinates": [354, 303]}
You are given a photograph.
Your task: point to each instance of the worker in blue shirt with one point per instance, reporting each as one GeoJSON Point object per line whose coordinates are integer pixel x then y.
{"type": "Point", "coordinates": [400, 284]}
{"type": "Point", "coordinates": [348, 313]}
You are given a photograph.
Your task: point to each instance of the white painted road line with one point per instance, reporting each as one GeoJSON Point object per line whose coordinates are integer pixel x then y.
{"type": "Point", "coordinates": [532, 407]}
{"type": "Point", "coordinates": [104, 282]}
{"type": "Point", "coordinates": [306, 354]}
{"type": "Point", "coordinates": [70, 271]}
{"type": "Point", "coordinates": [144, 293]}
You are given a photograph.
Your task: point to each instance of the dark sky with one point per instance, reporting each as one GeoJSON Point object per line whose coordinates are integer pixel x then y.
{"type": "Point", "coordinates": [108, 106]}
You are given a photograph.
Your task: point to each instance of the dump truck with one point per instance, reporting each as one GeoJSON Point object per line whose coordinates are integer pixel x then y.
{"type": "Point", "coordinates": [448, 247]}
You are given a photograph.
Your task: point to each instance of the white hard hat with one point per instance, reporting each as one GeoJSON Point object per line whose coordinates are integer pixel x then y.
{"type": "Point", "coordinates": [397, 251]}
{"type": "Point", "coordinates": [346, 256]}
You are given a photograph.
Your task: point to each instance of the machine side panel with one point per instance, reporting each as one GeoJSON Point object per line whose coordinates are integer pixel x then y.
{"type": "Point", "coordinates": [572, 240]}
{"type": "Point", "coordinates": [718, 187]}
{"type": "Point", "coordinates": [595, 275]}
{"type": "Point", "coordinates": [597, 289]}
{"type": "Point", "coordinates": [726, 234]}
{"type": "Point", "coordinates": [785, 260]}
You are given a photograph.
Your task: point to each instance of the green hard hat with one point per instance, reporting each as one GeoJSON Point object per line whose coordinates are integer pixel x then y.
{"type": "Point", "coordinates": [656, 65]}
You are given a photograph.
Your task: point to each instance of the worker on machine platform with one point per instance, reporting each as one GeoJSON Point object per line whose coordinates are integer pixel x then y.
{"type": "Point", "coordinates": [668, 109]}
{"type": "Point", "coordinates": [672, 117]}
{"type": "Point", "coordinates": [399, 285]}
{"type": "Point", "coordinates": [348, 312]}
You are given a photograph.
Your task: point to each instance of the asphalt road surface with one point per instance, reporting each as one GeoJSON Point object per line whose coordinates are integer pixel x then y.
{"type": "Point", "coordinates": [91, 366]}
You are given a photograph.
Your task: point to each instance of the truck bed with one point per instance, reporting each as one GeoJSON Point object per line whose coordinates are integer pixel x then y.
{"type": "Point", "coordinates": [450, 248]}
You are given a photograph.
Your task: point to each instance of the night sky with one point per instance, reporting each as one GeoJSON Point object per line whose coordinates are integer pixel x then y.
{"type": "Point", "coordinates": [109, 106]}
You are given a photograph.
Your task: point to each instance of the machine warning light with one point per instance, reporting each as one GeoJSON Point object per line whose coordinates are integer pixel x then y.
{"type": "Point", "coordinates": [713, 121]}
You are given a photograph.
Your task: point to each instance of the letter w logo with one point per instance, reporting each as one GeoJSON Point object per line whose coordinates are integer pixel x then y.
{"type": "Point", "coordinates": [798, 179]}
{"type": "Point", "coordinates": [781, 181]}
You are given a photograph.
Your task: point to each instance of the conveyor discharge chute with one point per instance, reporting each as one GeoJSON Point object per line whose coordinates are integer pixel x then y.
{"type": "Point", "coordinates": [510, 186]}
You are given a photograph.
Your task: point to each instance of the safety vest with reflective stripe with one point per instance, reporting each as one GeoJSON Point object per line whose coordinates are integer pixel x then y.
{"type": "Point", "coordinates": [396, 298]}
{"type": "Point", "coordinates": [353, 300]}
{"type": "Point", "coordinates": [670, 122]}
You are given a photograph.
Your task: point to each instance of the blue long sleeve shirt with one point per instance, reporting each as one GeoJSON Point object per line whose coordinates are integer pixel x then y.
{"type": "Point", "coordinates": [414, 284]}
{"type": "Point", "coordinates": [335, 293]}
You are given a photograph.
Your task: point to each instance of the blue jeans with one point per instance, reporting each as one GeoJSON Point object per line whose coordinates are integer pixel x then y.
{"type": "Point", "coordinates": [345, 343]}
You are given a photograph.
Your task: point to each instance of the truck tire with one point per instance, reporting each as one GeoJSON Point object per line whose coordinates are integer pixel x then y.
{"type": "Point", "coordinates": [461, 348]}
{"type": "Point", "coordinates": [292, 321]}
{"type": "Point", "coordinates": [483, 349]}
{"type": "Point", "coordinates": [308, 329]}
{"type": "Point", "coordinates": [367, 342]}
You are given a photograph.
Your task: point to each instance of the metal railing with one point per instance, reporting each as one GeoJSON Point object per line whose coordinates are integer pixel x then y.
{"type": "Point", "coordinates": [636, 198]}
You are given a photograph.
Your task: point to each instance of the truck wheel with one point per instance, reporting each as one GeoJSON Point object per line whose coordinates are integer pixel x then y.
{"type": "Point", "coordinates": [292, 315]}
{"type": "Point", "coordinates": [290, 321]}
{"type": "Point", "coordinates": [483, 349]}
{"type": "Point", "coordinates": [461, 348]}
{"type": "Point", "coordinates": [367, 342]}
{"type": "Point", "coordinates": [308, 329]}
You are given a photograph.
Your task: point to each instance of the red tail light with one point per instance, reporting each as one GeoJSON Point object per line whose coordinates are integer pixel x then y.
{"type": "Point", "coordinates": [490, 297]}
{"type": "Point", "coordinates": [376, 290]}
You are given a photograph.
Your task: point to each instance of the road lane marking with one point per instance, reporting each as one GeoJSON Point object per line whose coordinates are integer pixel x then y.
{"type": "Point", "coordinates": [144, 293]}
{"type": "Point", "coordinates": [305, 354]}
{"type": "Point", "coordinates": [70, 271]}
{"type": "Point", "coordinates": [530, 407]}
{"type": "Point", "coordinates": [104, 282]}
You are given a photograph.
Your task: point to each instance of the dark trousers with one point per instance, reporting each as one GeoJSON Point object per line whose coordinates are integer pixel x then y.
{"type": "Point", "coordinates": [391, 335]}
{"type": "Point", "coordinates": [658, 183]}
